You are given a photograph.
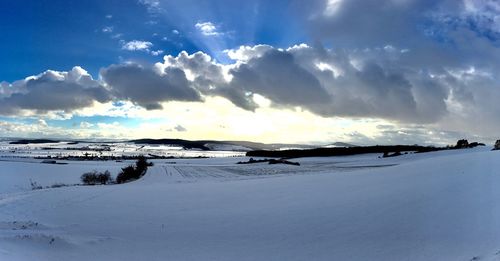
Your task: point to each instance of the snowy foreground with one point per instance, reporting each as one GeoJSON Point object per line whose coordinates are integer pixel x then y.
{"type": "Point", "coordinates": [433, 206]}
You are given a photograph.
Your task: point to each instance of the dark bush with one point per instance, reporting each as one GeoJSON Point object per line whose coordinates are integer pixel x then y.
{"type": "Point", "coordinates": [127, 174]}
{"type": "Point", "coordinates": [461, 144]}
{"type": "Point", "coordinates": [104, 178]}
{"type": "Point", "coordinates": [34, 185]}
{"type": "Point", "coordinates": [94, 178]}
{"type": "Point", "coordinates": [141, 165]}
{"type": "Point", "coordinates": [497, 145]}
{"type": "Point", "coordinates": [58, 185]}
{"type": "Point", "coordinates": [131, 172]}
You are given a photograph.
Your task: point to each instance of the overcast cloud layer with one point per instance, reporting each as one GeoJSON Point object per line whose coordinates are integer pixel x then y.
{"type": "Point", "coordinates": [410, 62]}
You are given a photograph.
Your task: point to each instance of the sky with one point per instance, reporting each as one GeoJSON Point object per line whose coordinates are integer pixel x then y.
{"type": "Point", "coordinates": [297, 71]}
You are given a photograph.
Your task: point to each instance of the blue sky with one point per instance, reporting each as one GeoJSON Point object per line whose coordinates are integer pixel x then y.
{"type": "Point", "coordinates": [363, 71]}
{"type": "Point", "coordinates": [57, 34]}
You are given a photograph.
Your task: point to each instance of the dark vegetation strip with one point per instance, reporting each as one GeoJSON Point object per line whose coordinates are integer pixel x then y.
{"type": "Point", "coordinates": [36, 141]}
{"type": "Point", "coordinates": [327, 152]}
{"type": "Point", "coordinates": [346, 151]}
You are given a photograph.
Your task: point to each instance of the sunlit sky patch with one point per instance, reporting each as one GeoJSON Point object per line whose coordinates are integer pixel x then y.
{"type": "Point", "coordinates": [316, 71]}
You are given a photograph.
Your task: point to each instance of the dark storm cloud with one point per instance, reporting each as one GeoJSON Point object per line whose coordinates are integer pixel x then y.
{"type": "Point", "coordinates": [291, 78]}
{"type": "Point", "coordinates": [374, 87]}
{"type": "Point", "coordinates": [278, 77]}
{"type": "Point", "coordinates": [437, 33]}
{"type": "Point", "coordinates": [53, 91]}
{"type": "Point", "coordinates": [450, 60]}
{"type": "Point", "coordinates": [147, 87]}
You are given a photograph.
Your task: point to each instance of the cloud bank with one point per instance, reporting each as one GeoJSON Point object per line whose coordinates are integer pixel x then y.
{"type": "Point", "coordinates": [327, 82]}
{"type": "Point", "coordinates": [52, 91]}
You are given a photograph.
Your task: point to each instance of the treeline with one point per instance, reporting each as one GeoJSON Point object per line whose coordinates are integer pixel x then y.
{"type": "Point", "coordinates": [346, 151]}
{"type": "Point", "coordinates": [328, 152]}
{"type": "Point", "coordinates": [35, 141]}
{"type": "Point", "coordinates": [127, 174]}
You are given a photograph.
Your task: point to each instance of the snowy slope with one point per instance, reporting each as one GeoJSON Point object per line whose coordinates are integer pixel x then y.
{"type": "Point", "coordinates": [15, 176]}
{"type": "Point", "coordinates": [439, 206]}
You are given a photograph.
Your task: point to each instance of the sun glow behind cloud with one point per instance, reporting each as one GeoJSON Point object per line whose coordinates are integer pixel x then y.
{"type": "Point", "coordinates": [332, 7]}
{"type": "Point", "coordinates": [216, 118]}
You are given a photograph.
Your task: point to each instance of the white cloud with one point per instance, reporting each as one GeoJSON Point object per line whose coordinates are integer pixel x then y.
{"type": "Point", "coordinates": [86, 125]}
{"type": "Point", "coordinates": [18, 129]}
{"type": "Point", "coordinates": [175, 31]}
{"type": "Point", "coordinates": [107, 126]}
{"type": "Point", "coordinates": [42, 123]}
{"type": "Point", "coordinates": [39, 130]}
{"type": "Point", "coordinates": [207, 29]}
{"type": "Point", "coordinates": [109, 16]}
{"type": "Point", "coordinates": [107, 29]}
{"type": "Point", "coordinates": [157, 52]}
{"type": "Point", "coordinates": [245, 53]}
{"type": "Point", "coordinates": [137, 45]}
{"type": "Point", "coordinates": [117, 36]}
{"type": "Point", "coordinates": [153, 6]}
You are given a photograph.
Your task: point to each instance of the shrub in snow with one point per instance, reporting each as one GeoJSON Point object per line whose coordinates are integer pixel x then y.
{"type": "Point", "coordinates": [127, 174]}
{"type": "Point", "coordinates": [104, 178]}
{"type": "Point", "coordinates": [34, 185]}
{"type": "Point", "coordinates": [58, 185]}
{"type": "Point", "coordinates": [462, 144]}
{"type": "Point", "coordinates": [94, 178]}
{"type": "Point", "coordinates": [141, 165]}
{"type": "Point", "coordinates": [497, 145]}
{"type": "Point", "coordinates": [131, 172]}
{"type": "Point", "coordinates": [475, 144]}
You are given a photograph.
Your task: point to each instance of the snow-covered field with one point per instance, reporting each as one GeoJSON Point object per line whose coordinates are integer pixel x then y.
{"type": "Point", "coordinates": [107, 149]}
{"type": "Point", "coordinates": [433, 206]}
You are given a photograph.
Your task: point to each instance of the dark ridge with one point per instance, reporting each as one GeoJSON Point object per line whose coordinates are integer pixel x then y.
{"type": "Point", "coordinates": [264, 146]}
{"type": "Point", "coordinates": [341, 144]}
{"type": "Point", "coordinates": [201, 144]}
{"type": "Point", "coordinates": [186, 144]}
{"type": "Point", "coordinates": [328, 152]}
{"type": "Point", "coordinates": [36, 141]}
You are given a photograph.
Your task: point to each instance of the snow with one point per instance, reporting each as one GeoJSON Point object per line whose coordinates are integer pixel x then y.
{"type": "Point", "coordinates": [15, 176]}
{"type": "Point", "coordinates": [106, 149]}
{"type": "Point", "coordinates": [432, 206]}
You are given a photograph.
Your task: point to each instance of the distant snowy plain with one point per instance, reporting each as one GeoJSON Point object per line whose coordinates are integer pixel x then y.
{"type": "Point", "coordinates": [432, 206]}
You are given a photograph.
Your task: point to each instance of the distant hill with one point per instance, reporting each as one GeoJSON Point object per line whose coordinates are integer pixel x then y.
{"type": "Point", "coordinates": [222, 145]}
{"type": "Point", "coordinates": [186, 144]}
{"type": "Point", "coordinates": [340, 145]}
{"type": "Point", "coordinates": [264, 146]}
{"type": "Point", "coordinates": [34, 141]}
